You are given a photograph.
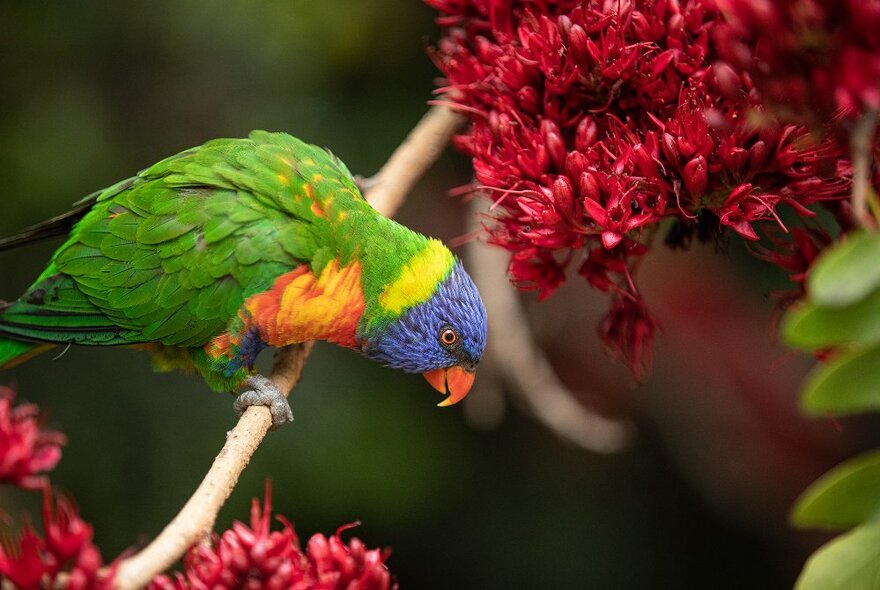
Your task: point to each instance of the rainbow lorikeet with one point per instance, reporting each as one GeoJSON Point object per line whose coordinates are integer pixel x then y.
{"type": "Point", "coordinates": [211, 255]}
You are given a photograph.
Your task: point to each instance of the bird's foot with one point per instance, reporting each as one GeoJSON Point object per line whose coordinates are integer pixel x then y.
{"type": "Point", "coordinates": [265, 393]}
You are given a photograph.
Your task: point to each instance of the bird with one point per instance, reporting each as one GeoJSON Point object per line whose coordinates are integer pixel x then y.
{"type": "Point", "coordinates": [222, 250]}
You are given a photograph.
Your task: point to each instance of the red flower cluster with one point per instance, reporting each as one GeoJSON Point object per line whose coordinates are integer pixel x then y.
{"type": "Point", "coordinates": [26, 449]}
{"type": "Point", "coordinates": [813, 60]}
{"type": "Point", "coordinates": [595, 120]}
{"type": "Point", "coordinates": [244, 557]}
{"type": "Point", "coordinates": [31, 562]}
{"type": "Point", "coordinates": [255, 557]}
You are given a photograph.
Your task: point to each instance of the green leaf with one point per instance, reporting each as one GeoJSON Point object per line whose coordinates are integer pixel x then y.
{"type": "Point", "coordinates": [848, 272]}
{"type": "Point", "coordinates": [848, 385]}
{"type": "Point", "coordinates": [849, 562]}
{"type": "Point", "coordinates": [846, 496]}
{"type": "Point", "coordinates": [812, 326]}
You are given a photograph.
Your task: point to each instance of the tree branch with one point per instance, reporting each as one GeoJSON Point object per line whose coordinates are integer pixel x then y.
{"type": "Point", "coordinates": [860, 153]}
{"type": "Point", "coordinates": [386, 192]}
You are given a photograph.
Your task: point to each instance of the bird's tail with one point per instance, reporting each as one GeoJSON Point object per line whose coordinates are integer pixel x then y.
{"type": "Point", "coordinates": [14, 352]}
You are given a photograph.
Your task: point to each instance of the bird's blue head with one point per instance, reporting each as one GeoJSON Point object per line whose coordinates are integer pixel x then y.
{"type": "Point", "coordinates": [442, 337]}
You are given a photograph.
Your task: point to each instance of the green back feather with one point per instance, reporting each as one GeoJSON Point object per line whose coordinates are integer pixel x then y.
{"type": "Point", "coordinates": [172, 253]}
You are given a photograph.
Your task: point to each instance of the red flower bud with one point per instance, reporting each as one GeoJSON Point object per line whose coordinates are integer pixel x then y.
{"type": "Point", "coordinates": [662, 61]}
{"type": "Point", "coordinates": [685, 148]}
{"type": "Point", "coordinates": [737, 194]}
{"type": "Point", "coordinates": [534, 165]}
{"type": "Point", "coordinates": [575, 164]}
{"type": "Point", "coordinates": [645, 162]}
{"type": "Point", "coordinates": [536, 270]}
{"type": "Point", "coordinates": [735, 158]}
{"type": "Point", "coordinates": [577, 40]}
{"type": "Point", "coordinates": [564, 24]}
{"type": "Point", "coordinates": [495, 122]}
{"type": "Point", "coordinates": [695, 177]}
{"type": "Point", "coordinates": [610, 239]}
{"type": "Point", "coordinates": [628, 331]}
{"type": "Point", "coordinates": [669, 147]}
{"type": "Point", "coordinates": [647, 28]}
{"type": "Point", "coordinates": [513, 73]}
{"type": "Point", "coordinates": [757, 155]}
{"type": "Point", "coordinates": [527, 98]}
{"type": "Point", "coordinates": [589, 186]}
{"type": "Point", "coordinates": [728, 81]}
{"type": "Point", "coordinates": [486, 51]}
{"type": "Point", "coordinates": [563, 194]}
{"type": "Point", "coordinates": [554, 142]}
{"type": "Point", "coordinates": [586, 134]}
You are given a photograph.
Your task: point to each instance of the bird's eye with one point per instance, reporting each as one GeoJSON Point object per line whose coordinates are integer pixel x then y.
{"type": "Point", "coordinates": [448, 337]}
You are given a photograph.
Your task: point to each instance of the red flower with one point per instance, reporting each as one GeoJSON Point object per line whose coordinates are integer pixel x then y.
{"type": "Point", "coordinates": [594, 121]}
{"type": "Point", "coordinates": [22, 560]}
{"type": "Point", "coordinates": [32, 562]}
{"type": "Point", "coordinates": [26, 449]}
{"type": "Point", "coordinates": [795, 255]}
{"type": "Point", "coordinates": [812, 60]}
{"type": "Point", "coordinates": [628, 331]}
{"type": "Point", "coordinates": [255, 557]}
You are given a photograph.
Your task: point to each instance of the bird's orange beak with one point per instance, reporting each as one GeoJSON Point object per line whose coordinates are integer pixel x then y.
{"type": "Point", "coordinates": [455, 380]}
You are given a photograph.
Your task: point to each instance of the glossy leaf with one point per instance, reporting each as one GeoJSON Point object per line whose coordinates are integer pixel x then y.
{"type": "Point", "coordinates": [847, 273]}
{"type": "Point", "coordinates": [812, 326]}
{"type": "Point", "coordinates": [848, 385]}
{"type": "Point", "coordinates": [846, 496]}
{"type": "Point", "coordinates": [849, 562]}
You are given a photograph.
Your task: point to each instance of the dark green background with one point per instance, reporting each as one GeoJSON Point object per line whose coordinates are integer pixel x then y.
{"type": "Point", "coordinates": [92, 92]}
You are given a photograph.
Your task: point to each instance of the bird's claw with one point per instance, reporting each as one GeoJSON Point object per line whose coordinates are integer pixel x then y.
{"type": "Point", "coordinates": [265, 393]}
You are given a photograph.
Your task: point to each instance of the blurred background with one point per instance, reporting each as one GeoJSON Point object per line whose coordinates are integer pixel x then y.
{"type": "Point", "coordinates": [469, 497]}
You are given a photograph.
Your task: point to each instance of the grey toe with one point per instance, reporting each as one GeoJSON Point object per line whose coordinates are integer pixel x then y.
{"type": "Point", "coordinates": [265, 393]}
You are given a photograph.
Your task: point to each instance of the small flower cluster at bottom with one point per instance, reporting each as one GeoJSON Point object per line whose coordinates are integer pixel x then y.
{"type": "Point", "coordinates": [251, 557]}
{"type": "Point", "coordinates": [256, 557]}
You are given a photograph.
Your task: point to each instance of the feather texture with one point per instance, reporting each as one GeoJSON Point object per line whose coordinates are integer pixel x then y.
{"type": "Point", "coordinates": [210, 255]}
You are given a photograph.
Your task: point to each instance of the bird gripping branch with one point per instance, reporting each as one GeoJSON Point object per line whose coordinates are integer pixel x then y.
{"type": "Point", "coordinates": [207, 257]}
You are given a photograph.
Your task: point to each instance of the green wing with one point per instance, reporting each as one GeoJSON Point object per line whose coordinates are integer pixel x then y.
{"type": "Point", "coordinates": [172, 253]}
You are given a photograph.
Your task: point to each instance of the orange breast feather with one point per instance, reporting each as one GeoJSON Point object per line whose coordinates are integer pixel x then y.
{"type": "Point", "coordinates": [301, 306]}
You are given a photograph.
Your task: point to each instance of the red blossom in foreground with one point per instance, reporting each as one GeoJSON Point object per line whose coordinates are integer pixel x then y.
{"type": "Point", "coordinates": [255, 557]}
{"type": "Point", "coordinates": [593, 122]}
{"type": "Point", "coordinates": [243, 557]}
{"type": "Point", "coordinates": [30, 562]}
{"type": "Point", "coordinates": [26, 448]}
{"type": "Point", "coordinates": [812, 60]}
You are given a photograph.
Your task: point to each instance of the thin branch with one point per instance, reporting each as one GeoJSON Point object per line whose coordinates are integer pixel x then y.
{"type": "Point", "coordinates": [523, 365]}
{"type": "Point", "coordinates": [387, 191]}
{"type": "Point", "coordinates": [861, 154]}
